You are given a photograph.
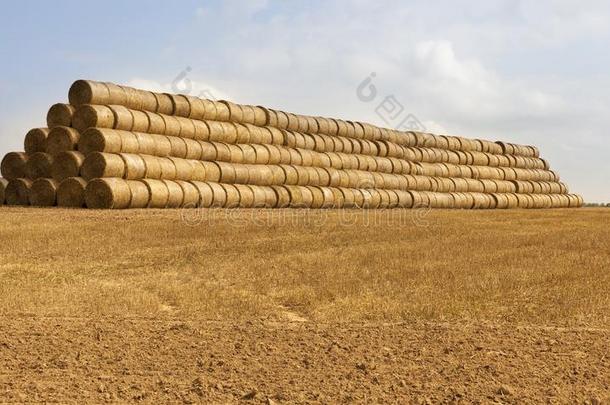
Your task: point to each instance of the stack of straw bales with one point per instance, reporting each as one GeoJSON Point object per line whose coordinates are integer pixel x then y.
{"type": "Point", "coordinates": [118, 147]}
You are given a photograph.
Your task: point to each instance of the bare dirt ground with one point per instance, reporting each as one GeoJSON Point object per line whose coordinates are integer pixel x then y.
{"type": "Point", "coordinates": [440, 307]}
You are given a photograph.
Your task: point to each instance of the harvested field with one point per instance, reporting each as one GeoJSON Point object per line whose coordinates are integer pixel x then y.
{"type": "Point", "coordinates": [304, 305]}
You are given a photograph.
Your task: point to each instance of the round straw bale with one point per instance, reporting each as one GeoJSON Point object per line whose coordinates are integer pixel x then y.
{"type": "Point", "coordinates": [62, 139]}
{"type": "Point", "coordinates": [13, 165]}
{"type": "Point", "coordinates": [99, 164]}
{"type": "Point", "coordinates": [444, 201]}
{"type": "Point", "coordinates": [275, 154]}
{"type": "Point", "coordinates": [312, 142]}
{"type": "Point", "coordinates": [341, 128]}
{"type": "Point", "coordinates": [193, 149]}
{"type": "Point", "coordinates": [205, 193]}
{"type": "Point", "coordinates": [232, 196]}
{"type": "Point", "coordinates": [295, 157]}
{"type": "Point", "coordinates": [208, 151]}
{"type": "Point", "coordinates": [135, 166]}
{"type": "Point", "coordinates": [271, 199]}
{"type": "Point", "coordinates": [235, 113]}
{"type": "Point", "coordinates": [88, 92]}
{"type": "Point", "coordinates": [293, 122]}
{"type": "Point", "coordinates": [343, 179]}
{"type": "Point", "coordinates": [190, 194]}
{"type": "Point", "coordinates": [140, 194]}
{"type": "Point", "coordinates": [257, 175]}
{"type": "Point", "coordinates": [92, 116]}
{"type": "Point", "coordinates": [323, 197]}
{"type": "Point", "coordinates": [260, 116]}
{"type": "Point", "coordinates": [338, 200]}
{"type": "Point", "coordinates": [349, 198]}
{"type": "Point", "coordinates": [222, 152]}
{"type": "Point", "coordinates": [459, 200]}
{"type": "Point", "coordinates": [180, 105]}
{"type": "Point", "coordinates": [202, 131]}
{"type": "Point", "coordinates": [225, 132]}
{"type": "Point", "coordinates": [405, 199]}
{"type": "Point", "coordinates": [99, 140]}
{"type": "Point", "coordinates": [17, 192]}
{"type": "Point", "coordinates": [175, 194]}
{"type": "Point", "coordinates": [215, 110]}
{"type": "Point", "coordinates": [227, 172]}
{"type": "Point", "coordinates": [371, 198]}
{"type": "Point", "coordinates": [306, 198]}
{"type": "Point", "coordinates": [172, 125]}
{"type": "Point", "coordinates": [148, 100]}
{"type": "Point", "coordinates": [270, 117]}
{"type": "Point", "coordinates": [242, 174]}
{"type": "Point", "coordinates": [141, 122]}
{"type": "Point", "coordinates": [36, 140]}
{"type": "Point", "coordinates": [248, 114]}
{"type": "Point", "coordinates": [317, 197]}
{"type": "Point", "coordinates": [158, 192]}
{"type": "Point", "coordinates": [282, 196]}
{"type": "Point", "coordinates": [235, 154]}
{"type": "Point", "coordinates": [576, 202]}
{"type": "Point", "coordinates": [38, 166]}
{"type": "Point", "coordinates": [164, 104]}
{"type": "Point", "coordinates": [358, 198]}
{"type": "Point", "coordinates": [489, 186]}
{"type": "Point", "coordinates": [217, 131]}
{"type": "Point", "coordinates": [282, 120]}
{"type": "Point", "coordinates": [323, 125]}
{"type": "Point", "coordinates": [196, 107]}
{"type": "Point", "coordinates": [211, 170]}
{"type": "Point", "coordinates": [153, 166]}
{"type": "Point", "coordinates": [71, 192]}
{"type": "Point", "coordinates": [291, 174]}
{"type": "Point", "coordinates": [260, 197]}
{"type": "Point", "coordinates": [278, 176]}
{"type": "Point", "coordinates": [246, 196]}
{"type": "Point", "coordinates": [43, 193]}
{"type": "Point", "coordinates": [67, 164]}
{"type": "Point", "coordinates": [116, 95]}
{"type": "Point", "coordinates": [294, 139]}
{"type": "Point", "coordinates": [178, 147]}
{"type": "Point", "coordinates": [168, 169]}
{"type": "Point", "coordinates": [219, 195]}
{"type": "Point", "coordinates": [135, 142]}
{"type": "Point", "coordinates": [262, 154]}
{"type": "Point", "coordinates": [334, 177]}
{"type": "Point", "coordinates": [296, 196]}
{"type": "Point", "coordinates": [302, 175]}
{"type": "Point", "coordinates": [385, 199]}
{"type": "Point", "coordinates": [303, 124]}
{"type": "Point", "coordinates": [277, 135]}
{"type": "Point", "coordinates": [522, 201]}
{"type": "Point", "coordinates": [123, 118]}
{"type": "Point", "coordinates": [107, 193]}
{"type": "Point", "coordinates": [132, 97]}
{"type": "Point", "coordinates": [3, 184]}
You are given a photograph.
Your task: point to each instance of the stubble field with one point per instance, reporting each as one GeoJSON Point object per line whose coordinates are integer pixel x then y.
{"type": "Point", "coordinates": [304, 306]}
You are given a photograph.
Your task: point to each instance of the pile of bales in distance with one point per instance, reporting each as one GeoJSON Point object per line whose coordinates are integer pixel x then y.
{"type": "Point", "coordinates": [118, 147]}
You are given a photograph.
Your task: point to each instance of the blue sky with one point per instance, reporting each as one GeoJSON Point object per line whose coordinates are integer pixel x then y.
{"type": "Point", "coordinates": [522, 71]}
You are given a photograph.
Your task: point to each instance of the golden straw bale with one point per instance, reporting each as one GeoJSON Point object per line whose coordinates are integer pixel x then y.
{"type": "Point", "coordinates": [36, 140]}
{"type": "Point", "coordinates": [71, 192]}
{"type": "Point", "coordinates": [17, 191]}
{"type": "Point", "coordinates": [62, 139]}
